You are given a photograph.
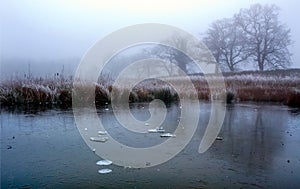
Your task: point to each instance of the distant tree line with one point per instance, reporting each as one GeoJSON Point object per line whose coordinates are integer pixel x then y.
{"type": "Point", "coordinates": [253, 35]}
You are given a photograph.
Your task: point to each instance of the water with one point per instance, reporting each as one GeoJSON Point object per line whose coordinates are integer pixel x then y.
{"type": "Point", "coordinates": [260, 149]}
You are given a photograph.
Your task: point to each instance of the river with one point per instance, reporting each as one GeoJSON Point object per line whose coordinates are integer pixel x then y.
{"type": "Point", "coordinates": [42, 148]}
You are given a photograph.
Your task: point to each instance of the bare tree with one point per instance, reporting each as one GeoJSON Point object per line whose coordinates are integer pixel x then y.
{"type": "Point", "coordinates": [177, 56]}
{"type": "Point", "coordinates": [165, 53]}
{"type": "Point", "coordinates": [266, 37]}
{"type": "Point", "coordinates": [186, 52]}
{"type": "Point", "coordinates": [225, 39]}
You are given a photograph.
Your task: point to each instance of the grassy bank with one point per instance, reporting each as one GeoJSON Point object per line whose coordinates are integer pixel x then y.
{"type": "Point", "coordinates": [36, 91]}
{"type": "Point", "coordinates": [280, 86]}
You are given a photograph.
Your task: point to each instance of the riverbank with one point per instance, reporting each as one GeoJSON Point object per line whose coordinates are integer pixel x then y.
{"type": "Point", "coordinates": [270, 86]}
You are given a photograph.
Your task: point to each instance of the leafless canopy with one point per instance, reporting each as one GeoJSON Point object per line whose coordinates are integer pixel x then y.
{"type": "Point", "coordinates": [254, 34]}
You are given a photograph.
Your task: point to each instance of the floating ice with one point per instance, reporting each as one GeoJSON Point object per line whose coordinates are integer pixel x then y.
{"type": "Point", "coordinates": [106, 109]}
{"type": "Point", "coordinates": [168, 135]}
{"type": "Point", "coordinates": [127, 167]}
{"type": "Point", "coordinates": [156, 130]}
{"type": "Point", "coordinates": [104, 171]}
{"type": "Point", "coordinates": [152, 130]}
{"type": "Point", "coordinates": [102, 132]}
{"type": "Point", "coordinates": [99, 139]}
{"type": "Point", "coordinates": [104, 162]}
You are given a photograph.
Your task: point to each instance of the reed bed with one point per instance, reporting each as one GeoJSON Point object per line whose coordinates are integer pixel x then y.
{"type": "Point", "coordinates": [281, 88]}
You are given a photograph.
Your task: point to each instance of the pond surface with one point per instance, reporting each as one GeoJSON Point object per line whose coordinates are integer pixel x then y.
{"type": "Point", "coordinates": [259, 149]}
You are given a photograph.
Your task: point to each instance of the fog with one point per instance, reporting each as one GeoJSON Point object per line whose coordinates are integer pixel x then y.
{"type": "Point", "coordinates": [49, 34]}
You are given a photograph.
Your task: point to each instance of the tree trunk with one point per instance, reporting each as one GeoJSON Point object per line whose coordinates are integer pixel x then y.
{"type": "Point", "coordinates": [260, 65]}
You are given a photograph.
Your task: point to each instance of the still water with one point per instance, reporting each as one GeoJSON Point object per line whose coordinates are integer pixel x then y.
{"type": "Point", "coordinates": [259, 149]}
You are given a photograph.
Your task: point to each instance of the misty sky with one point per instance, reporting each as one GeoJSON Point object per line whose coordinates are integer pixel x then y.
{"type": "Point", "coordinates": [51, 30]}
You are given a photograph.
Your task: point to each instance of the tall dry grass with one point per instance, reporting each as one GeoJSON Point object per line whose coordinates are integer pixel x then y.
{"type": "Point", "coordinates": [282, 88]}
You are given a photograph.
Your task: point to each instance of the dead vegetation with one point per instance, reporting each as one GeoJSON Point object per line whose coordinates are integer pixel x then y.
{"type": "Point", "coordinates": [281, 88]}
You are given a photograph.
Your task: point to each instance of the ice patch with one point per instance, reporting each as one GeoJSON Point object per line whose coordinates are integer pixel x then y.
{"type": "Point", "coordinates": [168, 135]}
{"type": "Point", "coordinates": [104, 162]}
{"type": "Point", "coordinates": [104, 171]}
{"type": "Point", "coordinates": [99, 139]}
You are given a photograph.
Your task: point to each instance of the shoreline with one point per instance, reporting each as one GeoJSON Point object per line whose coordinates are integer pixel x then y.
{"type": "Point", "coordinates": [271, 86]}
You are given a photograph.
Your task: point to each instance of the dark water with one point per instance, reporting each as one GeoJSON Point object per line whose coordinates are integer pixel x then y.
{"type": "Point", "coordinates": [260, 149]}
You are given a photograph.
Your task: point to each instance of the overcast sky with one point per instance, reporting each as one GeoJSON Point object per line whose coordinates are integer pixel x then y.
{"type": "Point", "coordinates": [56, 29]}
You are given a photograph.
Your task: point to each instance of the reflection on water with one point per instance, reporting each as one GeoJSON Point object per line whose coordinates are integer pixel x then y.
{"type": "Point", "coordinates": [134, 139]}
{"type": "Point", "coordinates": [260, 149]}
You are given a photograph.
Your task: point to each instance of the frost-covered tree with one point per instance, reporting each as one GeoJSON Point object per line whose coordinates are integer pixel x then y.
{"type": "Point", "coordinates": [266, 37]}
{"type": "Point", "coordinates": [186, 52]}
{"type": "Point", "coordinates": [174, 55]}
{"type": "Point", "coordinates": [225, 40]}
